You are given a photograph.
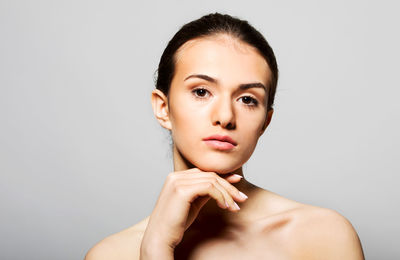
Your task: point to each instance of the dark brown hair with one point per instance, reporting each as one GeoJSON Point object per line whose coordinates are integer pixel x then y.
{"type": "Point", "coordinates": [209, 25]}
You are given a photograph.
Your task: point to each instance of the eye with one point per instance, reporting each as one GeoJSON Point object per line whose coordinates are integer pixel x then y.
{"type": "Point", "coordinates": [200, 92]}
{"type": "Point", "coordinates": [249, 101]}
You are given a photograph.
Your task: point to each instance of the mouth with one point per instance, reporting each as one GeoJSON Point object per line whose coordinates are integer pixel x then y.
{"type": "Point", "coordinates": [220, 142]}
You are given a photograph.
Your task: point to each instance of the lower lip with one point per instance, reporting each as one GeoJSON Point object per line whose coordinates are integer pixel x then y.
{"type": "Point", "coordinates": [219, 145]}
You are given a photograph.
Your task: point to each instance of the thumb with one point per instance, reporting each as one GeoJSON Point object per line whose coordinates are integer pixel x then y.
{"type": "Point", "coordinates": [200, 202]}
{"type": "Point", "coordinates": [195, 208]}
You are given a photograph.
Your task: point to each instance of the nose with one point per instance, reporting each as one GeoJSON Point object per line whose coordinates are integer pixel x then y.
{"type": "Point", "coordinates": [223, 114]}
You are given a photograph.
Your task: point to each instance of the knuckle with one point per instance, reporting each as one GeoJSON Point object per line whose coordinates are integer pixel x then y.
{"type": "Point", "coordinates": [212, 174]}
{"type": "Point", "coordinates": [223, 181]}
{"type": "Point", "coordinates": [234, 190]}
{"type": "Point", "coordinates": [180, 191]}
{"type": "Point", "coordinates": [229, 186]}
{"type": "Point", "coordinates": [214, 181]}
{"type": "Point", "coordinates": [171, 177]}
{"type": "Point", "coordinates": [208, 185]}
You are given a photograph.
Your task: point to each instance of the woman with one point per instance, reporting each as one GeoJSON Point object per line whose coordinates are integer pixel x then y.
{"type": "Point", "coordinates": [214, 93]}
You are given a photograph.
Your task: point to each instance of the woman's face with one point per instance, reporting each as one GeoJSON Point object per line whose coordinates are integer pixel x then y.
{"type": "Point", "coordinates": [216, 107]}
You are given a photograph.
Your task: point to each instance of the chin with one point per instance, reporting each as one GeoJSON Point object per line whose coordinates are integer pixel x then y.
{"type": "Point", "coordinates": [218, 170]}
{"type": "Point", "coordinates": [217, 166]}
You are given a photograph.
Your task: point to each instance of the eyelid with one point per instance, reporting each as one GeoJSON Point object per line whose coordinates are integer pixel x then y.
{"type": "Point", "coordinates": [200, 87]}
{"type": "Point", "coordinates": [249, 95]}
{"type": "Point", "coordinates": [261, 98]}
{"type": "Point", "coordinates": [254, 92]}
{"type": "Point", "coordinates": [255, 101]}
{"type": "Point", "coordinates": [194, 89]}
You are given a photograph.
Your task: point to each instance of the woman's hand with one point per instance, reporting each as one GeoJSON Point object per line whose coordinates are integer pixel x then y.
{"type": "Point", "coordinates": [183, 195]}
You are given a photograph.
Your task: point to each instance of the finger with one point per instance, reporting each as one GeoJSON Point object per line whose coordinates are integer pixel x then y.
{"type": "Point", "coordinates": [228, 197]}
{"type": "Point", "coordinates": [233, 191]}
{"type": "Point", "coordinates": [174, 176]}
{"type": "Point", "coordinates": [195, 172]}
{"type": "Point", "coordinates": [232, 178]}
{"type": "Point", "coordinates": [193, 191]}
{"type": "Point", "coordinates": [191, 170]}
{"type": "Point", "coordinates": [228, 200]}
{"type": "Point", "coordinates": [199, 173]}
{"type": "Point", "coordinates": [200, 202]}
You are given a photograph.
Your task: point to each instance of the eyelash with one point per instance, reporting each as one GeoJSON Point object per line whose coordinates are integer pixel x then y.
{"type": "Point", "coordinates": [194, 91]}
{"type": "Point", "coordinates": [254, 102]}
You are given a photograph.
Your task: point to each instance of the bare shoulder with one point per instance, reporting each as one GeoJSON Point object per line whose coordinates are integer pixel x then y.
{"type": "Point", "coordinates": [122, 245]}
{"type": "Point", "coordinates": [321, 233]}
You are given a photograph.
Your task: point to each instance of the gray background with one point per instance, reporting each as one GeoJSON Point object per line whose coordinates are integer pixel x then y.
{"type": "Point", "coordinates": [81, 156]}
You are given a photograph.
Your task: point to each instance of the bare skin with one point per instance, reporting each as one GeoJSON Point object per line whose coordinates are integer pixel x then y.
{"type": "Point", "coordinates": [197, 215]}
{"type": "Point", "coordinates": [289, 230]}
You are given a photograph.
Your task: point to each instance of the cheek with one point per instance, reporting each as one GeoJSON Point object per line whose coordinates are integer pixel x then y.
{"type": "Point", "coordinates": [187, 113]}
{"type": "Point", "coordinates": [251, 122]}
{"type": "Point", "coordinates": [251, 129]}
{"type": "Point", "coordinates": [186, 121]}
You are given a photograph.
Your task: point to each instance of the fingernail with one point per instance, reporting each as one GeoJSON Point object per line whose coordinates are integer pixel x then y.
{"type": "Point", "coordinates": [244, 196]}
{"type": "Point", "coordinates": [236, 206]}
{"type": "Point", "coordinates": [226, 205]}
{"type": "Point", "coordinates": [237, 175]}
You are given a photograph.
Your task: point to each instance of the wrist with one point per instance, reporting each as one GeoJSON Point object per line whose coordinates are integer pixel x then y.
{"type": "Point", "coordinates": [155, 249]}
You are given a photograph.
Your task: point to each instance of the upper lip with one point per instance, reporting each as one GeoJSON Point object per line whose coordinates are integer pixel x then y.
{"type": "Point", "coordinates": [222, 138]}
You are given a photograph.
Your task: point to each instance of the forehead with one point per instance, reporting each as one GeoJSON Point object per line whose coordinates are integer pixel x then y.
{"type": "Point", "coordinates": [223, 57]}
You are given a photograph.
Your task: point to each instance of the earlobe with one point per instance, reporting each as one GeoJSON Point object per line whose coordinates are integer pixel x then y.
{"type": "Point", "coordinates": [159, 103]}
{"type": "Point", "coordinates": [267, 121]}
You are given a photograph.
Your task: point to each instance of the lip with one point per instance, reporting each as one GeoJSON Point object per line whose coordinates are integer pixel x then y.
{"type": "Point", "coordinates": [220, 142]}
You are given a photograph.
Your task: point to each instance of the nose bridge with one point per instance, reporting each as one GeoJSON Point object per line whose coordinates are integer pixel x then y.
{"type": "Point", "coordinates": [224, 113]}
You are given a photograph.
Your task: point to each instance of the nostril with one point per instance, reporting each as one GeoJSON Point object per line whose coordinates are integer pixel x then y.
{"type": "Point", "coordinates": [230, 126]}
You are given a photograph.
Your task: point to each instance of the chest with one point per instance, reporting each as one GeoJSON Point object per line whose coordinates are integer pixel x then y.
{"type": "Point", "coordinates": [256, 246]}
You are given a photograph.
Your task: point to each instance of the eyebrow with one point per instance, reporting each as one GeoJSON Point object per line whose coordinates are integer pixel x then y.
{"type": "Point", "coordinates": [241, 86]}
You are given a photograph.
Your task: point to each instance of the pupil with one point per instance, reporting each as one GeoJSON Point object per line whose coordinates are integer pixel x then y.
{"type": "Point", "coordinates": [201, 92]}
{"type": "Point", "coordinates": [246, 100]}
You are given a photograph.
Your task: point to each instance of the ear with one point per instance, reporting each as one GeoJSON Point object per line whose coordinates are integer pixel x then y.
{"type": "Point", "coordinates": [159, 103]}
{"type": "Point", "coordinates": [267, 120]}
